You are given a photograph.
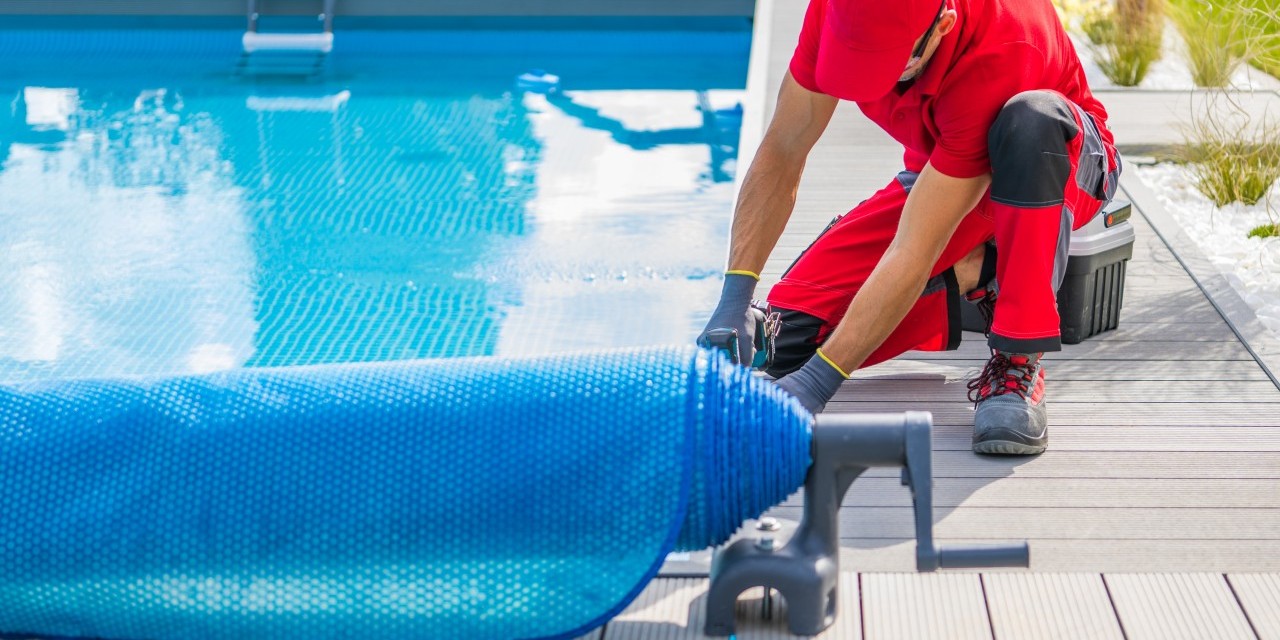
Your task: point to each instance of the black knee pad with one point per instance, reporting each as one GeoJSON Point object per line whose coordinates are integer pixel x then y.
{"type": "Point", "coordinates": [1028, 149]}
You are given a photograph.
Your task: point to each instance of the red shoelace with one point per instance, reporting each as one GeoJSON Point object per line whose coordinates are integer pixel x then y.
{"type": "Point", "coordinates": [1004, 374]}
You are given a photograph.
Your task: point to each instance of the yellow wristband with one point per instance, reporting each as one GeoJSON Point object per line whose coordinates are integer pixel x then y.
{"type": "Point", "coordinates": [742, 272]}
{"type": "Point", "coordinates": [833, 364]}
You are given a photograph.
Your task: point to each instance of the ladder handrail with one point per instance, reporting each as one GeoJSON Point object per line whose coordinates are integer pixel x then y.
{"type": "Point", "coordinates": [327, 15]}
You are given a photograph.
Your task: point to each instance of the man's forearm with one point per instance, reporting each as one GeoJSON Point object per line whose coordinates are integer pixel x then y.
{"type": "Point", "coordinates": [933, 211]}
{"type": "Point", "coordinates": [881, 303]}
{"type": "Point", "coordinates": [764, 205]}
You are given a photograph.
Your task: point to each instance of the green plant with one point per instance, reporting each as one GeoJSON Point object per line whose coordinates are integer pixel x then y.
{"type": "Point", "coordinates": [1219, 35]}
{"type": "Point", "coordinates": [1232, 157]}
{"type": "Point", "coordinates": [1090, 17]}
{"type": "Point", "coordinates": [1128, 40]}
{"type": "Point", "coordinates": [1236, 172]}
{"type": "Point", "coordinates": [1099, 28]}
{"type": "Point", "coordinates": [1269, 230]}
{"type": "Point", "coordinates": [1263, 17]}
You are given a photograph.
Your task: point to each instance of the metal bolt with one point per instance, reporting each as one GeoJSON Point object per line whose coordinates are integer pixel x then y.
{"type": "Point", "coordinates": [768, 524]}
{"type": "Point", "coordinates": [765, 543]}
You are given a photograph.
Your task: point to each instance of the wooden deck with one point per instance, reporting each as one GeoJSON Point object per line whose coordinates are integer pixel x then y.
{"type": "Point", "coordinates": [1154, 514]}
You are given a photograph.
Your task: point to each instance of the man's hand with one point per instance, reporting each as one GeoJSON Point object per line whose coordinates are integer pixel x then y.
{"type": "Point", "coordinates": [815, 383]}
{"type": "Point", "coordinates": [731, 315]}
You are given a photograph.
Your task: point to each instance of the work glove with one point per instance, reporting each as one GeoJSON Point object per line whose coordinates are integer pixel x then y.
{"type": "Point", "coordinates": [730, 328]}
{"type": "Point", "coordinates": [815, 383]}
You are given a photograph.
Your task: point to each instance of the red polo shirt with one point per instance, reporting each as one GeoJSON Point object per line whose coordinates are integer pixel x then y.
{"type": "Point", "coordinates": [998, 49]}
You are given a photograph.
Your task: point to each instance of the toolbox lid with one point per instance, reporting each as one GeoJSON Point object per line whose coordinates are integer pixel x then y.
{"type": "Point", "coordinates": [1096, 237]}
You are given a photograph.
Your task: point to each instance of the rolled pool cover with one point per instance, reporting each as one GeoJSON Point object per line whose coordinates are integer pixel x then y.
{"type": "Point", "coordinates": [464, 498]}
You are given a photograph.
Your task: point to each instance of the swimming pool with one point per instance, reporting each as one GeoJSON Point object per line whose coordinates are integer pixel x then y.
{"type": "Point", "coordinates": [166, 211]}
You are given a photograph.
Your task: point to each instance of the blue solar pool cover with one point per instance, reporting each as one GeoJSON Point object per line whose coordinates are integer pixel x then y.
{"type": "Point", "coordinates": [465, 498]}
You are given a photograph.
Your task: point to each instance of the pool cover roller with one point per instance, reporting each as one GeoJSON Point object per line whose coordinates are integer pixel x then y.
{"type": "Point", "coordinates": [464, 498]}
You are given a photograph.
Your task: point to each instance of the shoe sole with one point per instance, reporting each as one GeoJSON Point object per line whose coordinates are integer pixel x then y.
{"type": "Point", "coordinates": [1001, 447]}
{"type": "Point", "coordinates": [1009, 443]}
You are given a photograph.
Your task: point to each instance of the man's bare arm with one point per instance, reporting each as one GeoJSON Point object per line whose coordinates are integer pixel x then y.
{"type": "Point", "coordinates": [769, 189]}
{"type": "Point", "coordinates": [934, 209]}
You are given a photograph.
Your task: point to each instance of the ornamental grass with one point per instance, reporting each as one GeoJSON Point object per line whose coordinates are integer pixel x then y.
{"type": "Point", "coordinates": [1220, 36]}
{"type": "Point", "coordinates": [1127, 39]}
{"type": "Point", "coordinates": [1232, 156]}
{"type": "Point", "coordinates": [1264, 18]}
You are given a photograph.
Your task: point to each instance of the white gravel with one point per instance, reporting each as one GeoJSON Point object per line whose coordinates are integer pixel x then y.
{"type": "Point", "coordinates": [1251, 265]}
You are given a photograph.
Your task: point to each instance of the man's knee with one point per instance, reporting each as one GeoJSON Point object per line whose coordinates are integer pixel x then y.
{"type": "Point", "coordinates": [1032, 121]}
{"type": "Point", "coordinates": [1027, 145]}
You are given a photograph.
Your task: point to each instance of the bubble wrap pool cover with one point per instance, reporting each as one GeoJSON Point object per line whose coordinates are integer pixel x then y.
{"type": "Point", "coordinates": [467, 498]}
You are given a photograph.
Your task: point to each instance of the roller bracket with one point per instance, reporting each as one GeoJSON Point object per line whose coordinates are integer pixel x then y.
{"type": "Point", "coordinates": [806, 570]}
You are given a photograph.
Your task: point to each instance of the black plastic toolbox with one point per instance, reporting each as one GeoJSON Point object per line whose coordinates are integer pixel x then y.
{"type": "Point", "coordinates": [1092, 291]}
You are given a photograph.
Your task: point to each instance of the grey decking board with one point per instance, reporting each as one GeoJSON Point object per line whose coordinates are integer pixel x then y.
{"type": "Point", "coordinates": [918, 364]}
{"type": "Point", "coordinates": [1259, 596]}
{"type": "Point", "coordinates": [1094, 555]}
{"type": "Point", "coordinates": [1050, 607]}
{"type": "Point", "coordinates": [1137, 440]}
{"type": "Point", "coordinates": [914, 606]}
{"type": "Point", "coordinates": [665, 609]}
{"type": "Point", "coordinates": [1103, 464]}
{"type": "Point", "coordinates": [1071, 492]}
{"type": "Point", "coordinates": [1065, 523]}
{"type": "Point", "coordinates": [923, 606]}
{"type": "Point", "coordinates": [977, 342]}
{"type": "Point", "coordinates": [1114, 349]}
{"type": "Point", "coordinates": [1177, 606]}
{"type": "Point", "coordinates": [1120, 350]}
{"type": "Point", "coordinates": [674, 608]}
{"type": "Point", "coordinates": [1168, 332]}
{"type": "Point", "coordinates": [1198, 312]}
{"type": "Point", "coordinates": [1144, 391]}
{"type": "Point", "coordinates": [1062, 414]}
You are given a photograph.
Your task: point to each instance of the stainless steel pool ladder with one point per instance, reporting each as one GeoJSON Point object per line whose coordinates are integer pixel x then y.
{"type": "Point", "coordinates": [320, 43]}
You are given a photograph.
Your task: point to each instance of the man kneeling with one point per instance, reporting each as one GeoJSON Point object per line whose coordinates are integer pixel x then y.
{"type": "Point", "coordinates": [1006, 152]}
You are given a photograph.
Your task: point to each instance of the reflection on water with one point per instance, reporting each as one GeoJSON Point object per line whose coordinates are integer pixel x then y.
{"type": "Point", "coordinates": [125, 244]}
{"type": "Point", "coordinates": [212, 225]}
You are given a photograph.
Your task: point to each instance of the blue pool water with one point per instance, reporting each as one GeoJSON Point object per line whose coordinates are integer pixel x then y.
{"type": "Point", "coordinates": [162, 212]}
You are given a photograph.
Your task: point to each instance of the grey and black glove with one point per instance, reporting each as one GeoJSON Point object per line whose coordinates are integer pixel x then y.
{"type": "Point", "coordinates": [730, 327]}
{"type": "Point", "coordinates": [815, 383]}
